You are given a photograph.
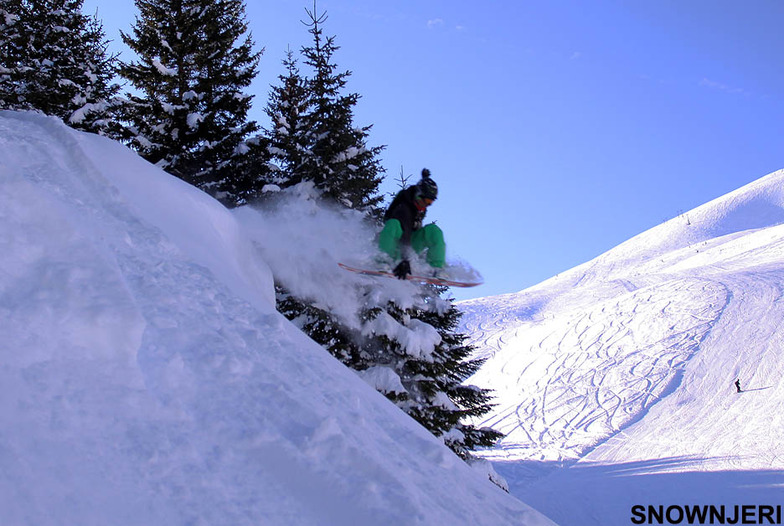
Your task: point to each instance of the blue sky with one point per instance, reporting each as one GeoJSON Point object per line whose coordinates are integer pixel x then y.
{"type": "Point", "coordinates": [556, 129]}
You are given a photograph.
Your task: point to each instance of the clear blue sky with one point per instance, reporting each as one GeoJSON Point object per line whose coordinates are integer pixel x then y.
{"type": "Point", "coordinates": [556, 129]}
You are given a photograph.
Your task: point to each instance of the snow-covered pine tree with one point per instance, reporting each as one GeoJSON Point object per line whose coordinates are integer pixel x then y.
{"type": "Point", "coordinates": [54, 59]}
{"type": "Point", "coordinates": [290, 137]}
{"type": "Point", "coordinates": [250, 169]}
{"type": "Point", "coordinates": [427, 384]}
{"type": "Point", "coordinates": [342, 164]}
{"type": "Point", "coordinates": [12, 46]}
{"type": "Point", "coordinates": [441, 402]}
{"type": "Point", "coordinates": [308, 115]}
{"type": "Point", "coordinates": [393, 352]}
{"type": "Point", "coordinates": [190, 116]}
{"type": "Point", "coordinates": [346, 344]}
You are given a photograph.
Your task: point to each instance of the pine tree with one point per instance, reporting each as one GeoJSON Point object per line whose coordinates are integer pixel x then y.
{"type": "Point", "coordinates": [313, 139]}
{"type": "Point", "coordinates": [12, 46]}
{"type": "Point", "coordinates": [347, 345]}
{"type": "Point", "coordinates": [290, 137]}
{"type": "Point", "coordinates": [342, 164]}
{"type": "Point", "coordinates": [247, 173]}
{"type": "Point", "coordinates": [427, 382]}
{"type": "Point", "coordinates": [445, 402]}
{"type": "Point", "coordinates": [191, 115]}
{"type": "Point", "coordinates": [54, 59]}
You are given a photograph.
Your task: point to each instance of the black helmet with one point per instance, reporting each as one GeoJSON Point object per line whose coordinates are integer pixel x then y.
{"type": "Point", "coordinates": [426, 187]}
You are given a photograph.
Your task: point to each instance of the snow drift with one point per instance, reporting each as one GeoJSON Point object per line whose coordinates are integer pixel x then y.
{"type": "Point", "coordinates": [147, 378]}
{"type": "Point", "coordinates": [622, 369]}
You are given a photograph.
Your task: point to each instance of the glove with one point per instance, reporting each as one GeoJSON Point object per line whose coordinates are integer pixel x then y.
{"type": "Point", "coordinates": [402, 269]}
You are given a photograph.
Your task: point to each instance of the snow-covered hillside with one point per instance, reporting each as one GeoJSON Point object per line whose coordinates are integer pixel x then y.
{"type": "Point", "coordinates": [148, 380]}
{"type": "Point", "coordinates": [615, 379]}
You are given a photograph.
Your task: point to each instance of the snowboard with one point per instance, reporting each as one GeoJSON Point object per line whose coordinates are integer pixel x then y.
{"type": "Point", "coordinates": [412, 277]}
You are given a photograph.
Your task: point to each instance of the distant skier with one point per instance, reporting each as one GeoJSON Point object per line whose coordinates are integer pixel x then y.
{"type": "Point", "coordinates": [403, 230]}
{"type": "Point", "coordinates": [737, 385]}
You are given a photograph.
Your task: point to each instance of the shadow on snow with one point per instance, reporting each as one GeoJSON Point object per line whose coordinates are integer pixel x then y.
{"type": "Point", "coordinates": [596, 493]}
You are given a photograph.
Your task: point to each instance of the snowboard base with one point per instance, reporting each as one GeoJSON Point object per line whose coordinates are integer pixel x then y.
{"type": "Point", "coordinates": [412, 277]}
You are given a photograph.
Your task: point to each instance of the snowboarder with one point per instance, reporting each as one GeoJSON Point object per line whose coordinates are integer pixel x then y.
{"type": "Point", "coordinates": [737, 385]}
{"type": "Point", "coordinates": [403, 231]}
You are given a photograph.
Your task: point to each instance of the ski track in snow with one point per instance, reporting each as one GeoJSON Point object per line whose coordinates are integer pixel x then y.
{"type": "Point", "coordinates": [573, 380]}
{"type": "Point", "coordinates": [700, 442]}
{"type": "Point", "coordinates": [733, 431]}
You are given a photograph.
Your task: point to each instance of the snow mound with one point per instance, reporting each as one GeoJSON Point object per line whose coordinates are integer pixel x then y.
{"type": "Point", "coordinates": [147, 378]}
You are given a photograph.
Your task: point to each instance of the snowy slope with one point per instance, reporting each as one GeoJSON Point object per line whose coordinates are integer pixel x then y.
{"type": "Point", "coordinates": [626, 364]}
{"type": "Point", "coordinates": [147, 379]}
